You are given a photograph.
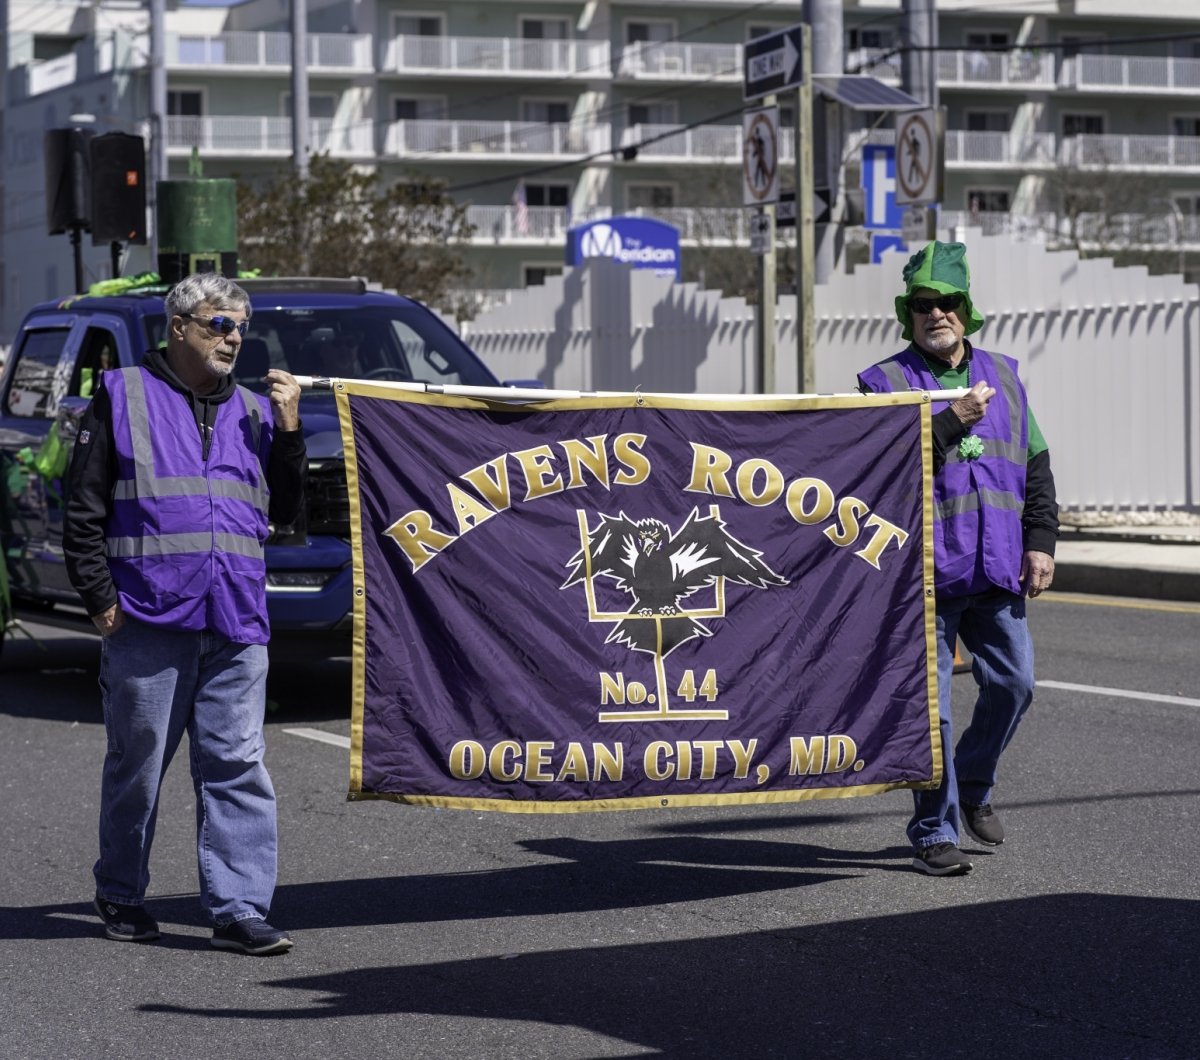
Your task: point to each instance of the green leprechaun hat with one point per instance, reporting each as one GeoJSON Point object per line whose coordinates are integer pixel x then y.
{"type": "Point", "coordinates": [940, 267]}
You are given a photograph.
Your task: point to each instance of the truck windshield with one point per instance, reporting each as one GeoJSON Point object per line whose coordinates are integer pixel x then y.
{"type": "Point", "coordinates": [406, 343]}
{"type": "Point", "coordinates": [370, 342]}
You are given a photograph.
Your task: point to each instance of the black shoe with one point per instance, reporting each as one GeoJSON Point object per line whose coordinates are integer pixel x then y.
{"type": "Point", "coordinates": [941, 859]}
{"type": "Point", "coordinates": [126, 923]}
{"type": "Point", "coordinates": [982, 824]}
{"type": "Point", "coordinates": [253, 936]}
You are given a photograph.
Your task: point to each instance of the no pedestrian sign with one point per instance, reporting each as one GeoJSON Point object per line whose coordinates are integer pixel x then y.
{"type": "Point", "coordinates": [917, 158]}
{"type": "Point", "coordinates": [760, 156]}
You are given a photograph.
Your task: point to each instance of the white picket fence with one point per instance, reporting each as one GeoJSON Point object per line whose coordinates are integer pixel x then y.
{"type": "Point", "coordinates": [1111, 356]}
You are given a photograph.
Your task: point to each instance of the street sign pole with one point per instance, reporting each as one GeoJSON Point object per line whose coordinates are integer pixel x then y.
{"type": "Point", "coordinates": [765, 333]}
{"type": "Point", "coordinates": [806, 377]}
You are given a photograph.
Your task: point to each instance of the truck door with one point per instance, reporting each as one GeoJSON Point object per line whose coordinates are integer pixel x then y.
{"type": "Point", "coordinates": [58, 358]}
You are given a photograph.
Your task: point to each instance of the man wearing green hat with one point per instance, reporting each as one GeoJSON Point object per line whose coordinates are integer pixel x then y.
{"type": "Point", "coordinates": [995, 527]}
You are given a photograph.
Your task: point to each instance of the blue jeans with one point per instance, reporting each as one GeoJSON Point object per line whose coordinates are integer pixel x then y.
{"type": "Point", "coordinates": [992, 626]}
{"type": "Point", "coordinates": [156, 683]}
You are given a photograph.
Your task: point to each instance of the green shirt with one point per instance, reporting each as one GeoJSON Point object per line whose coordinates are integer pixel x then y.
{"type": "Point", "coordinates": [954, 378]}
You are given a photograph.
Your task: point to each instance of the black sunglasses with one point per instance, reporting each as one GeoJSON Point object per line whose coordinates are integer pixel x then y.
{"type": "Point", "coordinates": [222, 324]}
{"type": "Point", "coordinates": [948, 303]}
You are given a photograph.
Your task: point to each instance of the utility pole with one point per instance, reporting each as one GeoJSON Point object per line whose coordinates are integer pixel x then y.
{"type": "Point", "coordinates": [825, 17]}
{"type": "Point", "coordinates": [765, 334]}
{"type": "Point", "coordinates": [806, 376]}
{"type": "Point", "coordinates": [300, 144]}
{"type": "Point", "coordinates": [158, 116]}
{"type": "Point", "coordinates": [919, 68]}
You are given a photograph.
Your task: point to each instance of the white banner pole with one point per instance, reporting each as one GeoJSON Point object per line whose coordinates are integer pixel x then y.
{"type": "Point", "coordinates": [526, 394]}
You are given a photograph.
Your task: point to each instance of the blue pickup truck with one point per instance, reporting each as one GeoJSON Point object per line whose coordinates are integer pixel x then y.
{"type": "Point", "coordinates": [306, 326]}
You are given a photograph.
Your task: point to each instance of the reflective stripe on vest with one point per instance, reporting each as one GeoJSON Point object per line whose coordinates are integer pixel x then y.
{"type": "Point", "coordinates": [977, 504]}
{"type": "Point", "coordinates": [146, 484]}
{"type": "Point", "coordinates": [187, 524]}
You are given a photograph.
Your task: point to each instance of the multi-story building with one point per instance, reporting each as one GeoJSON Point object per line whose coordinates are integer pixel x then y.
{"type": "Point", "coordinates": [1080, 124]}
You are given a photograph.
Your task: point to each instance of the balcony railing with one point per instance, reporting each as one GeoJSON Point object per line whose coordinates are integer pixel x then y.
{"type": "Point", "coordinates": [264, 136]}
{"type": "Point", "coordinates": [350, 52]}
{"type": "Point", "coordinates": [1161, 231]}
{"type": "Point", "coordinates": [999, 149]}
{"type": "Point", "coordinates": [715, 225]}
{"type": "Point", "coordinates": [495, 56]}
{"type": "Point", "coordinates": [673, 60]}
{"type": "Point", "coordinates": [1020, 67]}
{"type": "Point", "coordinates": [481, 140]}
{"type": "Point", "coordinates": [703, 143]}
{"type": "Point", "coordinates": [510, 224]}
{"type": "Point", "coordinates": [1175, 153]}
{"type": "Point", "coordinates": [1108, 73]}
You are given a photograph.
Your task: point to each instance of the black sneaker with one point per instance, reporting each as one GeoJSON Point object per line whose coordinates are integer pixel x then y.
{"type": "Point", "coordinates": [982, 824]}
{"type": "Point", "coordinates": [253, 936]}
{"type": "Point", "coordinates": [941, 859]}
{"type": "Point", "coordinates": [126, 923]}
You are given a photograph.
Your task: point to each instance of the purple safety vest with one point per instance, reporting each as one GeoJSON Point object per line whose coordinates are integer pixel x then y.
{"type": "Point", "coordinates": [185, 537]}
{"type": "Point", "coordinates": [977, 504]}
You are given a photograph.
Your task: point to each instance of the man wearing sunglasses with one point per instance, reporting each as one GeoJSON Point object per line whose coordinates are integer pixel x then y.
{"type": "Point", "coordinates": [175, 474]}
{"type": "Point", "coordinates": [995, 528]}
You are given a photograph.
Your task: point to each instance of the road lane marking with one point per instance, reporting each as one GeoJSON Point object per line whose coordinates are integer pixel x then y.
{"type": "Point", "coordinates": [1120, 693]}
{"type": "Point", "coordinates": [1176, 606]}
{"type": "Point", "coordinates": [321, 736]}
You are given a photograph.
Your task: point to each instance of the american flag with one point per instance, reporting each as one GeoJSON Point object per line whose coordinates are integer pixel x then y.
{"type": "Point", "coordinates": [522, 209]}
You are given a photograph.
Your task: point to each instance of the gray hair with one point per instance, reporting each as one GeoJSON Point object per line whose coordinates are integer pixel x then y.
{"type": "Point", "coordinates": [206, 288]}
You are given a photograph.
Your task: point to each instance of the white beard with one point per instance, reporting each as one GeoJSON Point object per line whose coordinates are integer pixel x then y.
{"type": "Point", "coordinates": [941, 340]}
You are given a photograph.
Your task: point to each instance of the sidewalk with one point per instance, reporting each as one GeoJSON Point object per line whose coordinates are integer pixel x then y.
{"type": "Point", "coordinates": [1156, 561]}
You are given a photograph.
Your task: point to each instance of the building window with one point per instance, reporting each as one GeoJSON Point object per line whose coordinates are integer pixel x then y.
{"type": "Point", "coordinates": [417, 25]}
{"type": "Point", "coordinates": [645, 31]}
{"type": "Point", "coordinates": [535, 275]}
{"type": "Point", "coordinates": [652, 113]}
{"type": "Point", "coordinates": [185, 103]}
{"type": "Point", "coordinates": [988, 120]}
{"type": "Point", "coordinates": [418, 109]}
{"type": "Point", "coordinates": [547, 194]}
{"type": "Point", "coordinates": [987, 200]}
{"type": "Point", "coordinates": [549, 111]}
{"type": "Point", "coordinates": [650, 196]}
{"type": "Point", "coordinates": [869, 39]}
{"type": "Point", "coordinates": [1185, 125]}
{"type": "Point", "coordinates": [987, 39]}
{"type": "Point", "coordinates": [1083, 125]}
{"type": "Point", "coordinates": [545, 29]}
{"type": "Point", "coordinates": [1188, 203]}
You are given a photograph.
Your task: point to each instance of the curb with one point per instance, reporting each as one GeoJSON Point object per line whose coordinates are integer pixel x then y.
{"type": "Point", "coordinates": [1161, 584]}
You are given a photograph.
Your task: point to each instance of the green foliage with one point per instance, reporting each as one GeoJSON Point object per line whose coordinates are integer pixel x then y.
{"type": "Point", "coordinates": [343, 221]}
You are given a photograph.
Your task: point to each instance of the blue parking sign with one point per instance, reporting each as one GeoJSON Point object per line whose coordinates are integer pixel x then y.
{"type": "Point", "coordinates": [882, 242]}
{"type": "Point", "coordinates": [879, 185]}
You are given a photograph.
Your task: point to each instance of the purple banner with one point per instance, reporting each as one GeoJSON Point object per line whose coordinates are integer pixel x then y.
{"type": "Point", "coordinates": [630, 603]}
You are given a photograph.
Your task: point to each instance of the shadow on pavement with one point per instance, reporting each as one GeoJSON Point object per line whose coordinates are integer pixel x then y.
{"type": "Point", "coordinates": [1061, 975]}
{"type": "Point", "coordinates": [591, 876]}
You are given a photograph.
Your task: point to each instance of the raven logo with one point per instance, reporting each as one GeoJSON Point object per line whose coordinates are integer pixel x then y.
{"type": "Point", "coordinates": [659, 568]}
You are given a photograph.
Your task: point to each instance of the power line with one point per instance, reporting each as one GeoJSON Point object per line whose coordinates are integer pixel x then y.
{"type": "Point", "coordinates": [583, 159]}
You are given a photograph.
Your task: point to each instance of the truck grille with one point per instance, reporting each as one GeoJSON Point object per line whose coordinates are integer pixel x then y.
{"type": "Point", "coordinates": [327, 500]}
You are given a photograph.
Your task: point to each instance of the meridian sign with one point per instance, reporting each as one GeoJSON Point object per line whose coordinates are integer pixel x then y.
{"type": "Point", "coordinates": [636, 241]}
{"type": "Point", "coordinates": [772, 62]}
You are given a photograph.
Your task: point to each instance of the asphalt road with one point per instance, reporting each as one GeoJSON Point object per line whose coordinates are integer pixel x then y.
{"type": "Point", "coordinates": [798, 931]}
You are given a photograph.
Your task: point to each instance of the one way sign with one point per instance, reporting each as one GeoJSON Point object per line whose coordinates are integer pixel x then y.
{"type": "Point", "coordinates": [785, 209]}
{"type": "Point", "coordinates": [772, 62]}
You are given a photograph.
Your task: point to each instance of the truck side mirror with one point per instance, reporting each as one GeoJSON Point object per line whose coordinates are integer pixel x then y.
{"type": "Point", "coordinates": [70, 412]}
